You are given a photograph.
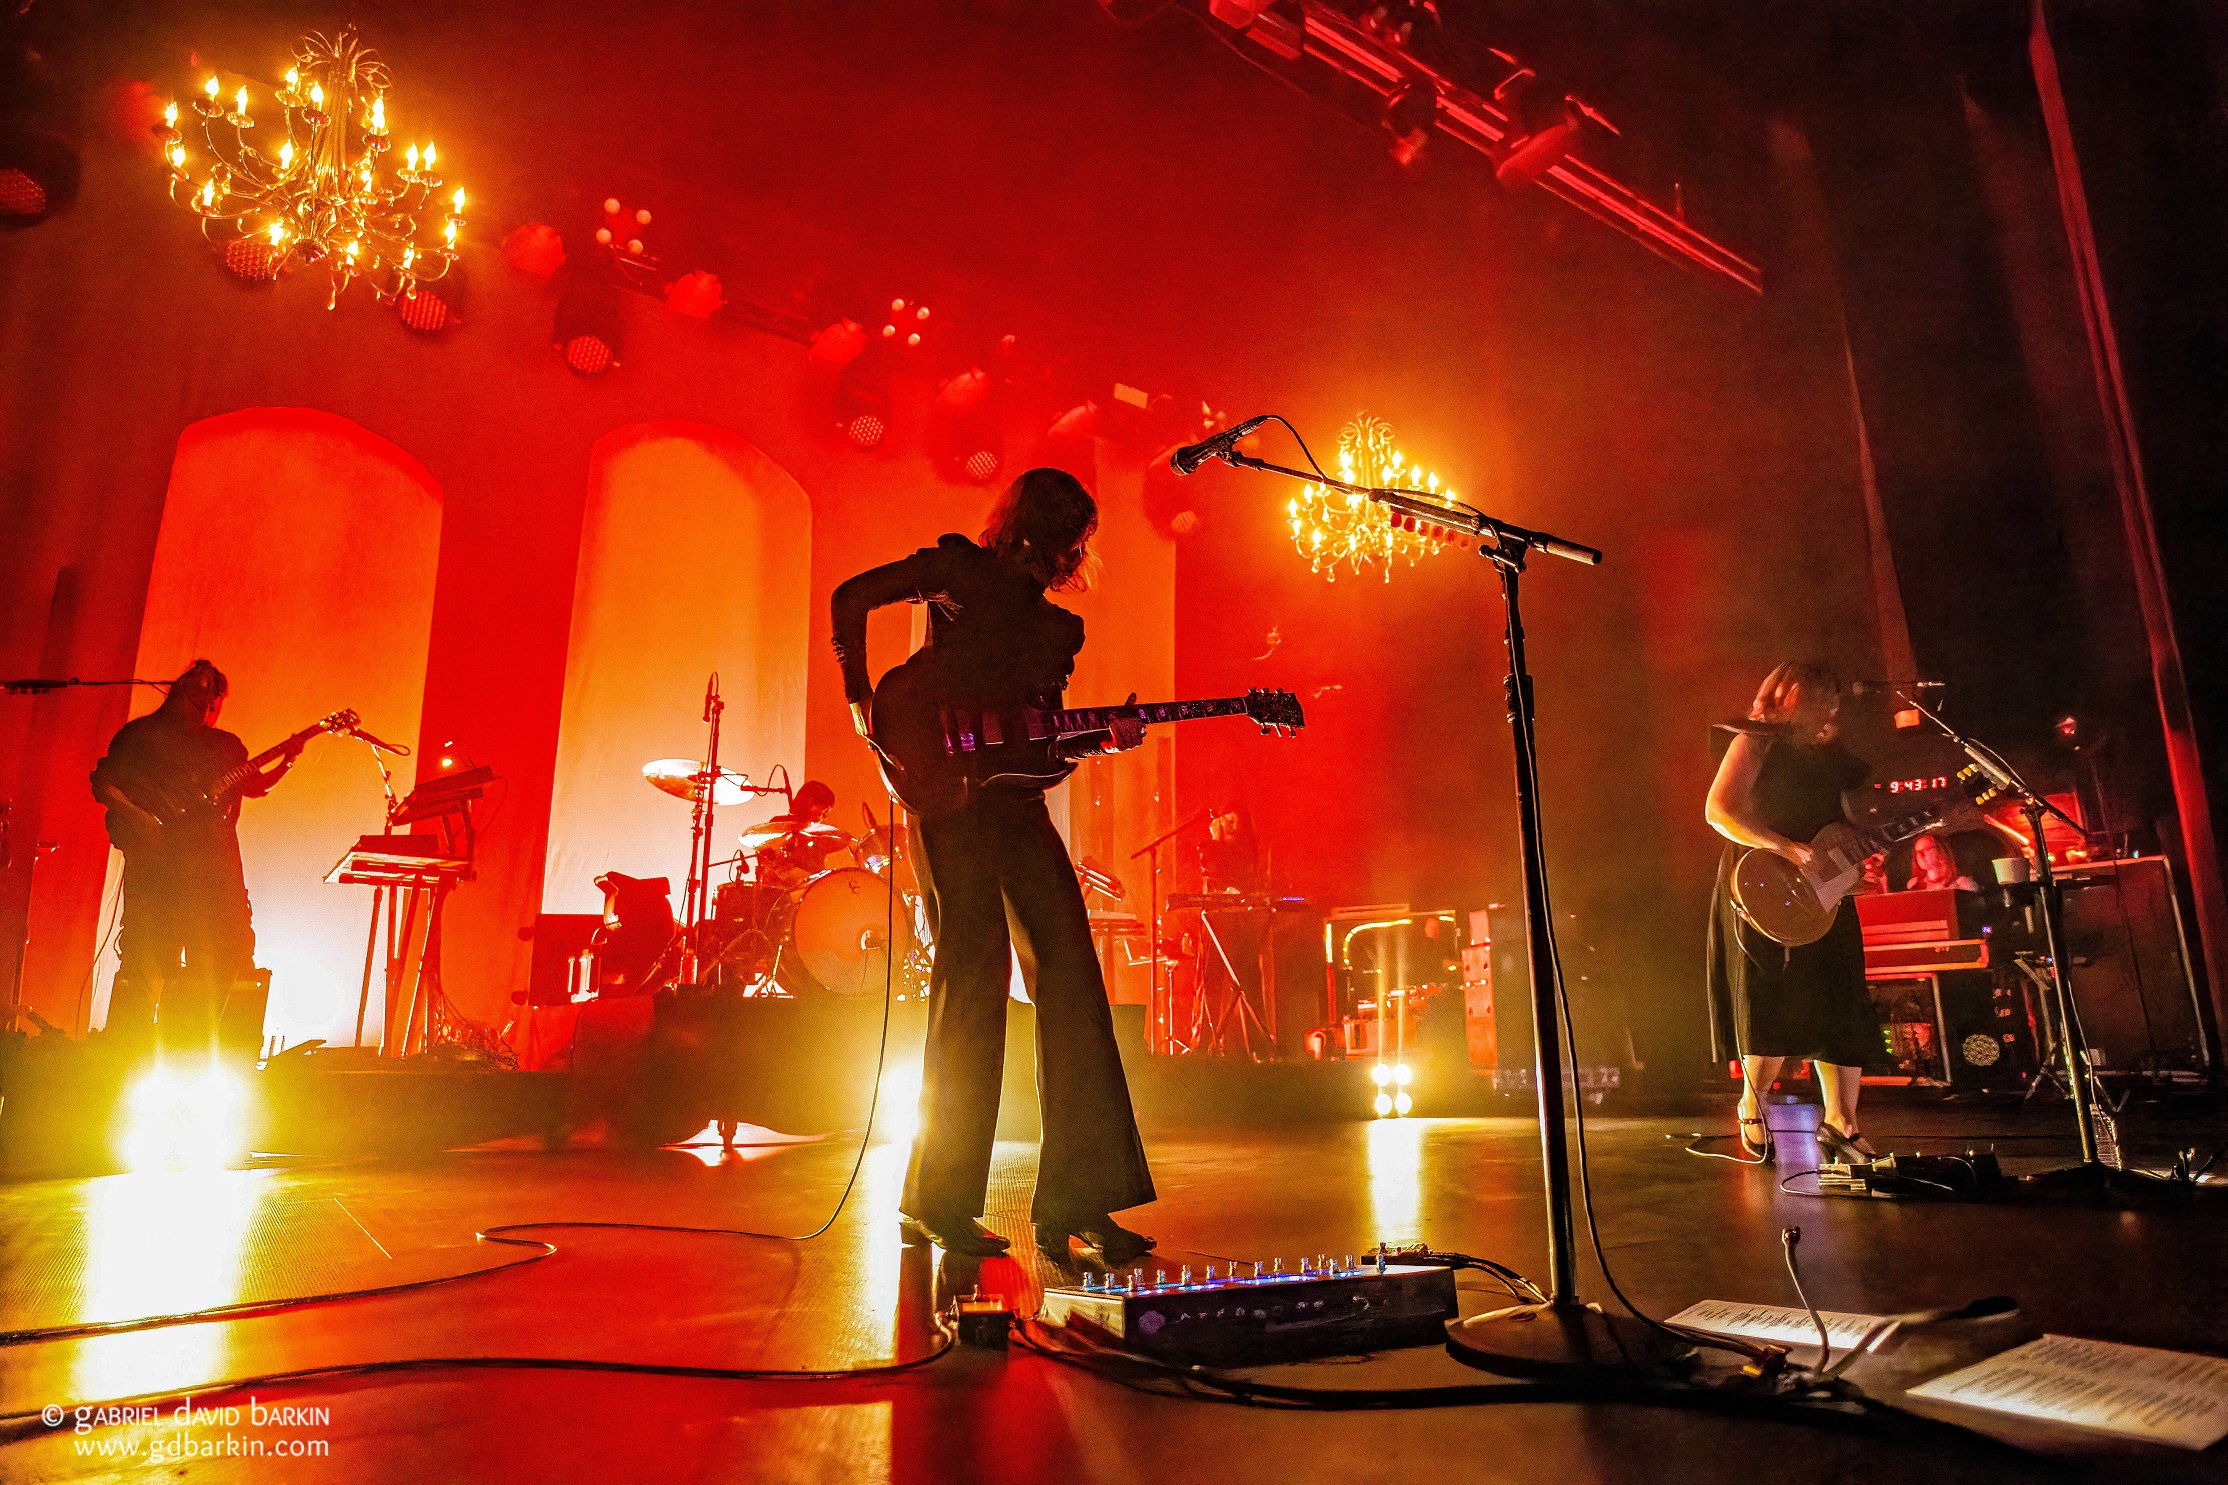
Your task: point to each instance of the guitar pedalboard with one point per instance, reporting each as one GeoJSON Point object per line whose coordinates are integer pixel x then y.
{"type": "Point", "coordinates": [1254, 1314]}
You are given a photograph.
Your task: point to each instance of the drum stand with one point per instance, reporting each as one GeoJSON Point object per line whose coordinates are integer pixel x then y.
{"type": "Point", "coordinates": [1211, 1024]}
{"type": "Point", "coordinates": [696, 892]}
{"type": "Point", "coordinates": [1160, 1033]}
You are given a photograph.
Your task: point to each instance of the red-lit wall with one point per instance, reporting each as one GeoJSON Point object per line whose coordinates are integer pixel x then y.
{"type": "Point", "coordinates": [95, 393]}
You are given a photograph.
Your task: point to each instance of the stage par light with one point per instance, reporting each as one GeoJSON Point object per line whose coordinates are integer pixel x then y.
{"type": "Point", "coordinates": [861, 404]}
{"type": "Point", "coordinates": [39, 173]}
{"type": "Point", "coordinates": [966, 438]}
{"type": "Point", "coordinates": [588, 330]}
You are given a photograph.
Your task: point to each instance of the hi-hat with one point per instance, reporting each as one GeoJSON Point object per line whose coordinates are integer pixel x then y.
{"type": "Point", "coordinates": [684, 778]}
{"type": "Point", "coordinates": [785, 832]}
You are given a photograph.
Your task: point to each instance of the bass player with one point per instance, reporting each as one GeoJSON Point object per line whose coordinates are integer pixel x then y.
{"type": "Point", "coordinates": [186, 914]}
{"type": "Point", "coordinates": [994, 639]}
{"type": "Point", "coordinates": [1779, 784]}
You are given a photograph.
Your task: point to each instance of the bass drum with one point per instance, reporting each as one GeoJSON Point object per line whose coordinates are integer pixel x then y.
{"type": "Point", "coordinates": [840, 934]}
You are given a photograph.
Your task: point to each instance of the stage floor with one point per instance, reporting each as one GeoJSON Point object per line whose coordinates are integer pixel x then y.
{"type": "Point", "coordinates": [1677, 1228]}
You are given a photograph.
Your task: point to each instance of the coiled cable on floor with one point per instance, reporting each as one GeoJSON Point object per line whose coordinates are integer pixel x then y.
{"type": "Point", "coordinates": [15, 1427]}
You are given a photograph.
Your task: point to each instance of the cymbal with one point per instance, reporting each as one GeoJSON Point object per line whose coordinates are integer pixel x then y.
{"type": "Point", "coordinates": [787, 832]}
{"type": "Point", "coordinates": [684, 778]}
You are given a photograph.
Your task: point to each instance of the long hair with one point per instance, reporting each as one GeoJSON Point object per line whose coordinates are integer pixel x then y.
{"type": "Point", "coordinates": [200, 684]}
{"type": "Point", "coordinates": [1043, 524]}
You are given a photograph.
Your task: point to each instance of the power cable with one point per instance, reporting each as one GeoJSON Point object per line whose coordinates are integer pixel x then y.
{"type": "Point", "coordinates": [1837, 1408]}
{"type": "Point", "coordinates": [503, 1234]}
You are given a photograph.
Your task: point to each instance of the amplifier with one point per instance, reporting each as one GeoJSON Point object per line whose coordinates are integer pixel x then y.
{"type": "Point", "coordinates": [2131, 971]}
{"type": "Point", "coordinates": [1965, 1028]}
{"type": "Point", "coordinates": [1239, 1319]}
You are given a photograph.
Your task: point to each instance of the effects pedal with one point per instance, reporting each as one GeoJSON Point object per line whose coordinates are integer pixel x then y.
{"type": "Point", "coordinates": [1243, 1317]}
{"type": "Point", "coordinates": [984, 1320]}
{"type": "Point", "coordinates": [1973, 1176]}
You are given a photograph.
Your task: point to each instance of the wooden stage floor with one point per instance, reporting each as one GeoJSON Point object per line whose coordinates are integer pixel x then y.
{"type": "Point", "coordinates": [1677, 1228]}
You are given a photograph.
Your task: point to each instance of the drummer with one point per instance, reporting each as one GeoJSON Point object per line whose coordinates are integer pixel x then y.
{"type": "Point", "coordinates": [801, 850]}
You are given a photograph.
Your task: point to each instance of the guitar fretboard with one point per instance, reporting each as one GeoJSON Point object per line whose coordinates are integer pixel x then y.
{"type": "Point", "coordinates": [1080, 720]}
{"type": "Point", "coordinates": [242, 773]}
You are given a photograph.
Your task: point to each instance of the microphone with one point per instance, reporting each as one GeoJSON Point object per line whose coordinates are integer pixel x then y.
{"type": "Point", "coordinates": [1867, 688]}
{"type": "Point", "coordinates": [1187, 459]}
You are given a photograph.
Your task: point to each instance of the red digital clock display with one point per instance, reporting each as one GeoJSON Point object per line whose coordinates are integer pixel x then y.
{"type": "Point", "coordinates": [1918, 786]}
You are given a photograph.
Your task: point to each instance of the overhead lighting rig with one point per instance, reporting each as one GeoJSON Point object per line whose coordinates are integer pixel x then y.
{"type": "Point", "coordinates": [1526, 132]}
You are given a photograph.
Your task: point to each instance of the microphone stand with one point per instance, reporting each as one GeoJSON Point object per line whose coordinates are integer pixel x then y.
{"type": "Point", "coordinates": [1563, 1337]}
{"type": "Point", "coordinates": [2089, 1178]}
{"type": "Point", "coordinates": [41, 685]}
{"type": "Point", "coordinates": [697, 889]}
{"type": "Point", "coordinates": [1159, 1032]}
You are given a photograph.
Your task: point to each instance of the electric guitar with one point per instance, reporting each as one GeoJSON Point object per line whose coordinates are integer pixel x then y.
{"type": "Point", "coordinates": [140, 814]}
{"type": "Point", "coordinates": [1796, 905]}
{"type": "Point", "coordinates": [936, 754]}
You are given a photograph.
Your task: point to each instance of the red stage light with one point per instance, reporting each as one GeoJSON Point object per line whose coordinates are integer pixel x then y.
{"type": "Point", "coordinates": [1172, 503]}
{"type": "Point", "coordinates": [21, 196]}
{"type": "Point", "coordinates": [588, 326]}
{"type": "Point", "coordinates": [859, 401]}
{"type": "Point", "coordinates": [966, 438]}
{"type": "Point", "coordinates": [696, 295]}
{"type": "Point", "coordinates": [536, 250]}
{"type": "Point", "coordinates": [423, 310]}
{"type": "Point", "coordinates": [866, 430]}
{"type": "Point", "coordinates": [38, 176]}
{"type": "Point", "coordinates": [252, 260]}
{"type": "Point", "coordinates": [836, 346]}
{"type": "Point", "coordinates": [589, 356]}
{"type": "Point", "coordinates": [1078, 422]}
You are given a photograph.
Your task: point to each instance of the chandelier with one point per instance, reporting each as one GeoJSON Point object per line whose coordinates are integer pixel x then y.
{"type": "Point", "coordinates": [1334, 528]}
{"type": "Point", "coordinates": [311, 182]}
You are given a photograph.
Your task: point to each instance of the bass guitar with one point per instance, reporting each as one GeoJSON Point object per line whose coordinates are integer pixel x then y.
{"type": "Point", "coordinates": [1796, 905]}
{"type": "Point", "coordinates": [144, 812]}
{"type": "Point", "coordinates": [936, 754]}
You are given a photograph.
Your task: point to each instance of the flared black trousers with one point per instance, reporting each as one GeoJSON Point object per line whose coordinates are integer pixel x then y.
{"type": "Point", "coordinates": [996, 876]}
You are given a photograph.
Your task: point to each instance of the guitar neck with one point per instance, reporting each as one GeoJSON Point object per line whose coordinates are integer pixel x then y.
{"type": "Point", "coordinates": [1080, 720]}
{"type": "Point", "coordinates": [1893, 832]}
{"type": "Point", "coordinates": [248, 770]}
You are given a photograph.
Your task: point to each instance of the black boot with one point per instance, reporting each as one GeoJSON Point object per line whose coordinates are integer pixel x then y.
{"type": "Point", "coordinates": [1106, 1242]}
{"type": "Point", "coordinates": [954, 1235]}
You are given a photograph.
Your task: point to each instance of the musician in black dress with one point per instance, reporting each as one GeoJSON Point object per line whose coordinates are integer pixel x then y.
{"type": "Point", "coordinates": [1779, 784]}
{"type": "Point", "coordinates": [997, 861]}
{"type": "Point", "coordinates": [186, 914]}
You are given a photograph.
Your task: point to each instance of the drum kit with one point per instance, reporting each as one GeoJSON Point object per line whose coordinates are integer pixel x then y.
{"type": "Point", "coordinates": [790, 919]}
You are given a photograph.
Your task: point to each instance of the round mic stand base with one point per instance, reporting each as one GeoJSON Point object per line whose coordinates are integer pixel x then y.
{"type": "Point", "coordinates": [1562, 1340]}
{"type": "Point", "coordinates": [2094, 1183]}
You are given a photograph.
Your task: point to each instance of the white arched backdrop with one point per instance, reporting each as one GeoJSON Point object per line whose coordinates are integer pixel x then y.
{"type": "Point", "coordinates": [297, 552]}
{"type": "Point", "coordinates": [695, 557]}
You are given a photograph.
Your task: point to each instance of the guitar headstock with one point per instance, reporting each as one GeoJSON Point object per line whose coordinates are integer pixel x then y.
{"type": "Point", "coordinates": [1276, 711]}
{"type": "Point", "coordinates": [343, 720]}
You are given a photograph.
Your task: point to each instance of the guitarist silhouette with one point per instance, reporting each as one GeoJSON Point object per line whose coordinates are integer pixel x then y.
{"type": "Point", "coordinates": [989, 857]}
{"type": "Point", "coordinates": [186, 914]}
